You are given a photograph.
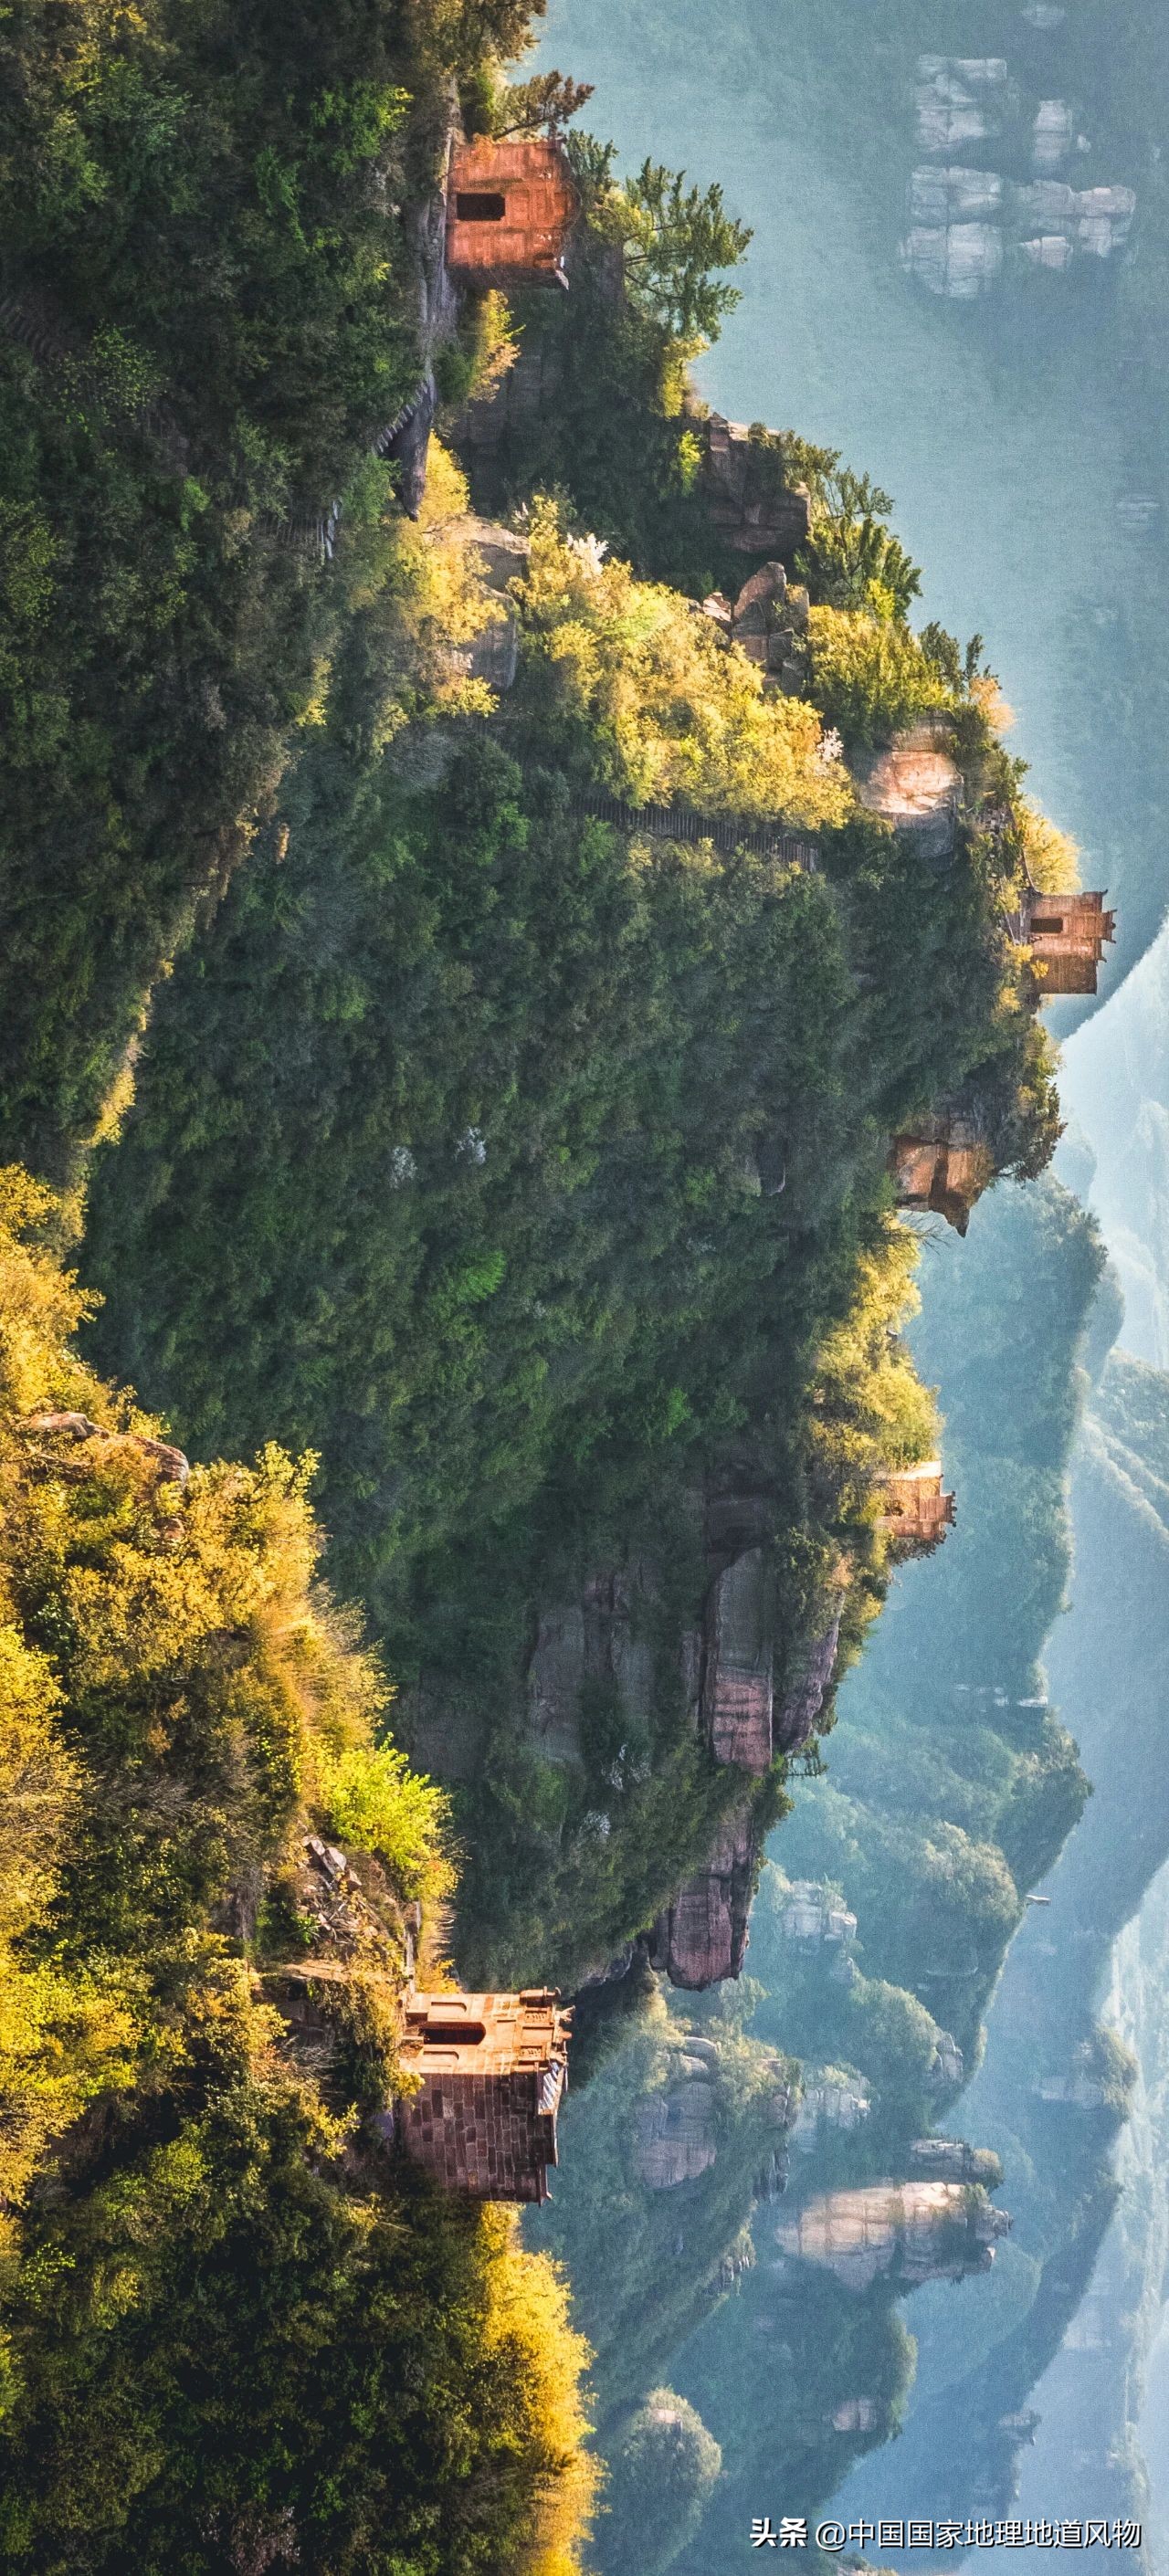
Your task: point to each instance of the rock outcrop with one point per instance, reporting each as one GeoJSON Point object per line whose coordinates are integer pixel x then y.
{"type": "Point", "coordinates": [674, 2133]}
{"type": "Point", "coordinates": [962, 100]}
{"type": "Point", "coordinates": [951, 2160]}
{"type": "Point", "coordinates": [855, 2415]}
{"type": "Point", "coordinates": [810, 1678]}
{"type": "Point", "coordinates": [1097, 221]}
{"type": "Point", "coordinates": [738, 1662]}
{"type": "Point", "coordinates": [702, 1937]}
{"type": "Point", "coordinates": [769, 623]}
{"type": "Point", "coordinates": [958, 260]}
{"type": "Point", "coordinates": [907, 2232]}
{"type": "Point", "coordinates": [726, 1666]}
{"type": "Point", "coordinates": [1052, 136]}
{"type": "Point", "coordinates": [169, 1464]}
{"type": "Point", "coordinates": [947, 2066]}
{"type": "Point", "coordinates": [603, 1637]}
{"type": "Point", "coordinates": [752, 509]}
{"type": "Point", "coordinates": [942, 1165]}
{"type": "Point", "coordinates": [916, 785]}
{"type": "Point", "coordinates": [813, 1918]}
{"type": "Point", "coordinates": [969, 227]}
{"type": "Point", "coordinates": [839, 2101]}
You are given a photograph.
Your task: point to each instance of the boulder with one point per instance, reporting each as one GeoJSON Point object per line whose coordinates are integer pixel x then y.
{"type": "Point", "coordinates": [674, 2132]}
{"type": "Point", "coordinates": [915, 785]}
{"type": "Point", "coordinates": [909, 2232]}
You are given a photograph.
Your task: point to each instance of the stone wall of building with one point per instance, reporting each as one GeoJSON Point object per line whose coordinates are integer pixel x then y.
{"type": "Point", "coordinates": [491, 2072]}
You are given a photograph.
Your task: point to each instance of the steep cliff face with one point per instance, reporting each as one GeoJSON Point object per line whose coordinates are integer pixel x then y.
{"type": "Point", "coordinates": [702, 1937]}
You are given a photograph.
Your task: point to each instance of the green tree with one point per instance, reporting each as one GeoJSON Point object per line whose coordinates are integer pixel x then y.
{"type": "Point", "coordinates": [676, 241]}
{"type": "Point", "coordinates": [663, 2467]}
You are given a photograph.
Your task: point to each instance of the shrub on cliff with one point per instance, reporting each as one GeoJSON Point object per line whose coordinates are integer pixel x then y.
{"type": "Point", "coordinates": [869, 674]}
{"type": "Point", "coordinates": [625, 674]}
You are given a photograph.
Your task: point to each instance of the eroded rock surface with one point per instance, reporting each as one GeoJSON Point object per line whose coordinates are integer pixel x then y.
{"type": "Point", "coordinates": [915, 785]}
{"type": "Point", "coordinates": [702, 1937]}
{"type": "Point", "coordinates": [907, 2231]}
{"type": "Point", "coordinates": [753, 511]}
{"type": "Point", "coordinates": [675, 2129]}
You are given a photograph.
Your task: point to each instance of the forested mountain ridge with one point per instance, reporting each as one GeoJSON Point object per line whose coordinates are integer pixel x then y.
{"type": "Point", "coordinates": [529, 1167]}
{"type": "Point", "coordinates": [615, 1116]}
{"type": "Point", "coordinates": [616, 1119]}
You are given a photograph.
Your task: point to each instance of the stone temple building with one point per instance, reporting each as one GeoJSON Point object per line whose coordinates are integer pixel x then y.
{"type": "Point", "coordinates": [1067, 935]}
{"type": "Point", "coordinates": [494, 2069]}
{"type": "Point", "coordinates": [510, 209]}
{"type": "Point", "coordinates": [914, 1509]}
{"type": "Point", "coordinates": [941, 1165]}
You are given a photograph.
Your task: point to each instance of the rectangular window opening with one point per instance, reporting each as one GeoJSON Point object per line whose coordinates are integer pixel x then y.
{"type": "Point", "coordinates": [1049, 927]}
{"type": "Point", "coordinates": [481, 207]}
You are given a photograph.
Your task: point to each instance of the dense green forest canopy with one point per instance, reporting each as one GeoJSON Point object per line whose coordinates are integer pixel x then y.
{"type": "Point", "coordinates": [209, 305]}
{"type": "Point", "coordinates": [527, 1188]}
